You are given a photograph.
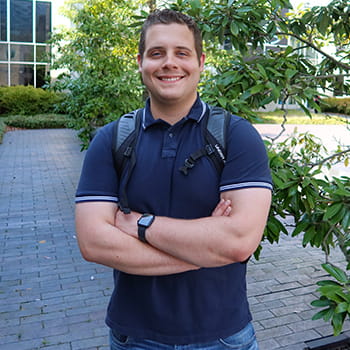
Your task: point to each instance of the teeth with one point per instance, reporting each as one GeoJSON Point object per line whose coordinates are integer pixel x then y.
{"type": "Point", "coordinates": [171, 79]}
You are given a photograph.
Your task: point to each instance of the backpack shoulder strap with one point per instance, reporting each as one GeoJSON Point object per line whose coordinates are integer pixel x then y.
{"type": "Point", "coordinates": [126, 132]}
{"type": "Point", "coordinates": [216, 135]}
{"type": "Point", "coordinates": [214, 128]}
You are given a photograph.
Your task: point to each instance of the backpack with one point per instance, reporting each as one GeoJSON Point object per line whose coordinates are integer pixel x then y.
{"type": "Point", "coordinates": [126, 133]}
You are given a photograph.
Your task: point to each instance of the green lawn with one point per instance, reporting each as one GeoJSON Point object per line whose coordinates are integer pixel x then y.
{"type": "Point", "coordinates": [299, 117]}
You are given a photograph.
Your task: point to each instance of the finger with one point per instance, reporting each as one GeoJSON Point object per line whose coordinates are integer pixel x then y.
{"type": "Point", "coordinates": [221, 208]}
{"type": "Point", "coordinates": [227, 211]}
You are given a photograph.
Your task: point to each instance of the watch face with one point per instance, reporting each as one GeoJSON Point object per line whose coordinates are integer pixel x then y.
{"type": "Point", "coordinates": [146, 220]}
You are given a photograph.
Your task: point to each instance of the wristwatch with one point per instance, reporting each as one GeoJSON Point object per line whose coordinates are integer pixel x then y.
{"type": "Point", "coordinates": [143, 223]}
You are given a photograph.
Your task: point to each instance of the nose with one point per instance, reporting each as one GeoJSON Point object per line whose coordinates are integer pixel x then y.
{"type": "Point", "coordinates": [170, 61]}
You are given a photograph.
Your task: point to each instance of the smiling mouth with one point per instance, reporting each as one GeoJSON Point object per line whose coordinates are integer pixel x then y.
{"type": "Point", "coordinates": [170, 79]}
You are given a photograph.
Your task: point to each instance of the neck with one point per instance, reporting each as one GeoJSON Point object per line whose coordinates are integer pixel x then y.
{"type": "Point", "coordinates": [171, 112]}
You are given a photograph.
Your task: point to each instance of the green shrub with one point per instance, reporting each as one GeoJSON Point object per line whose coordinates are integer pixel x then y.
{"type": "Point", "coordinates": [2, 129]}
{"type": "Point", "coordinates": [336, 105]}
{"type": "Point", "coordinates": [40, 121]}
{"type": "Point", "coordinates": [27, 100]}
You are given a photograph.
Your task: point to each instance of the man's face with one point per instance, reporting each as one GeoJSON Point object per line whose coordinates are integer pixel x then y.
{"type": "Point", "coordinates": [170, 66]}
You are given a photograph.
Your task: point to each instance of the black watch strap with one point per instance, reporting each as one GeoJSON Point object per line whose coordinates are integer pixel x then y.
{"type": "Point", "coordinates": [143, 223]}
{"type": "Point", "coordinates": [142, 233]}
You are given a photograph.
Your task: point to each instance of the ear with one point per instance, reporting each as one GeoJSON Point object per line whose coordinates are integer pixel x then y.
{"type": "Point", "coordinates": [139, 61]}
{"type": "Point", "coordinates": [201, 62]}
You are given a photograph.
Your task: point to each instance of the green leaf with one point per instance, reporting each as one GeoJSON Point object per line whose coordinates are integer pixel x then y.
{"type": "Point", "coordinates": [323, 23]}
{"type": "Point", "coordinates": [332, 210]}
{"type": "Point", "coordinates": [234, 28]}
{"type": "Point", "coordinates": [257, 88]}
{"type": "Point", "coordinates": [321, 303]}
{"type": "Point", "coordinates": [326, 314]}
{"type": "Point", "coordinates": [336, 272]}
{"type": "Point", "coordinates": [290, 73]}
{"type": "Point", "coordinates": [300, 227]}
{"type": "Point", "coordinates": [337, 323]}
{"type": "Point", "coordinates": [346, 221]}
{"type": "Point", "coordinates": [327, 283]}
{"type": "Point", "coordinates": [342, 307]}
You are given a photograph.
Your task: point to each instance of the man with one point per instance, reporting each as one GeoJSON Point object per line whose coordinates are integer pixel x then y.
{"type": "Point", "coordinates": [179, 272]}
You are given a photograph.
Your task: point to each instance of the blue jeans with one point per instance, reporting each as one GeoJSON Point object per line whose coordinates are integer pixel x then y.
{"type": "Point", "coordinates": [243, 340]}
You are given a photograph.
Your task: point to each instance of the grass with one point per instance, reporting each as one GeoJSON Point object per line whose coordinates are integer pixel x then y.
{"type": "Point", "coordinates": [299, 117]}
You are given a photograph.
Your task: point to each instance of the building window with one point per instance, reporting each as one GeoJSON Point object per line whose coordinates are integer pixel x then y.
{"type": "Point", "coordinates": [22, 74]}
{"type": "Point", "coordinates": [21, 18]}
{"type": "Point", "coordinates": [3, 74]}
{"type": "Point", "coordinates": [3, 20]}
{"type": "Point", "coordinates": [25, 28]}
{"type": "Point", "coordinates": [22, 53]}
{"type": "Point", "coordinates": [43, 21]}
{"type": "Point", "coordinates": [42, 74]}
{"type": "Point", "coordinates": [3, 52]}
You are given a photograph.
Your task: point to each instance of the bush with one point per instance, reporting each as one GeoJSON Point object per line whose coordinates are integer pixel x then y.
{"type": "Point", "coordinates": [2, 129]}
{"type": "Point", "coordinates": [336, 105]}
{"type": "Point", "coordinates": [40, 121]}
{"type": "Point", "coordinates": [27, 100]}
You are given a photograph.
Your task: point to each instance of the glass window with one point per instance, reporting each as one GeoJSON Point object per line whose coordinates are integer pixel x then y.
{"type": "Point", "coordinates": [22, 53]}
{"type": "Point", "coordinates": [43, 21]}
{"type": "Point", "coordinates": [21, 20]}
{"type": "Point", "coordinates": [3, 20]}
{"type": "Point", "coordinates": [3, 52]}
{"type": "Point", "coordinates": [43, 53]}
{"type": "Point", "coordinates": [22, 74]}
{"type": "Point", "coordinates": [3, 74]}
{"type": "Point", "coordinates": [42, 74]}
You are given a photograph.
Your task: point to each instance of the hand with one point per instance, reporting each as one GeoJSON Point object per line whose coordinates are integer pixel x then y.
{"type": "Point", "coordinates": [127, 222]}
{"type": "Point", "coordinates": [223, 208]}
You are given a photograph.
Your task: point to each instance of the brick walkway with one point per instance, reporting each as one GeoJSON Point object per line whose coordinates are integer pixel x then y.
{"type": "Point", "coordinates": [51, 298]}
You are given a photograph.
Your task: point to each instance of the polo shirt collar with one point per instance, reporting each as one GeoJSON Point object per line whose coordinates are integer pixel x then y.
{"type": "Point", "coordinates": [196, 113]}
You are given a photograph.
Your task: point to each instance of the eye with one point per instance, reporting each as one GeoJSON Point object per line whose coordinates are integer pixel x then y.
{"type": "Point", "coordinates": [155, 54]}
{"type": "Point", "coordinates": [182, 53]}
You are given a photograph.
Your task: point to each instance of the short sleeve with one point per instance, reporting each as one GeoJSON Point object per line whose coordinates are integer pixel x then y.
{"type": "Point", "coordinates": [98, 179]}
{"type": "Point", "coordinates": [247, 162]}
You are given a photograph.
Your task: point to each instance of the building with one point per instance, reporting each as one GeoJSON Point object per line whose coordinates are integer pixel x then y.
{"type": "Point", "coordinates": [25, 27]}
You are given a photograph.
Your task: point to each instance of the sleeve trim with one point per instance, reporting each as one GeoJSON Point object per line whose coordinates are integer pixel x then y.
{"type": "Point", "coordinates": [96, 199]}
{"type": "Point", "coordinates": [246, 185]}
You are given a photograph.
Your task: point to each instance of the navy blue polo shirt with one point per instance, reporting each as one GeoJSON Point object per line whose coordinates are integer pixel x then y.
{"type": "Point", "coordinates": [189, 307]}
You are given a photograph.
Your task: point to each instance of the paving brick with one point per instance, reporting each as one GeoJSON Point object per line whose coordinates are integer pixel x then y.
{"type": "Point", "coordinates": [50, 297]}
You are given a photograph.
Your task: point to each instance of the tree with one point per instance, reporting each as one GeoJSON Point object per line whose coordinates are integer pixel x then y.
{"type": "Point", "coordinates": [98, 54]}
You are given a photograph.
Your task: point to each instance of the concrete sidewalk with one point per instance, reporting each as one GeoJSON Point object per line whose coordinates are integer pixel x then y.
{"type": "Point", "coordinates": [51, 298]}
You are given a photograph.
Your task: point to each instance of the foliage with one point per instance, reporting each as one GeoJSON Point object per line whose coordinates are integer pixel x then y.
{"type": "Point", "coordinates": [2, 129]}
{"type": "Point", "coordinates": [335, 298]}
{"type": "Point", "coordinates": [98, 54]}
{"type": "Point", "coordinates": [250, 77]}
{"type": "Point", "coordinates": [336, 105]}
{"type": "Point", "coordinates": [39, 121]}
{"type": "Point", "coordinates": [27, 100]}
{"type": "Point", "coordinates": [319, 206]}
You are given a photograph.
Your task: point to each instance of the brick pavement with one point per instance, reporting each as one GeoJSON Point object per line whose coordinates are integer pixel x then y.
{"type": "Point", "coordinates": [51, 298]}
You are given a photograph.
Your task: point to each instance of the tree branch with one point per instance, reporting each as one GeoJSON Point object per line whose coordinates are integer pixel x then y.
{"type": "Point", "coordinates": [328, 158]}
{"type": "Point", "coordinates": [310, 44]}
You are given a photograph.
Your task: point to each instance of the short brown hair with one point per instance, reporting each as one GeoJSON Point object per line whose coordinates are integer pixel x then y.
{"type": "Point", "coordinates": [168, 17]}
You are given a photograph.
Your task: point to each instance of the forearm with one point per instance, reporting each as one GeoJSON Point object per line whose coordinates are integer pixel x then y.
{"type": "Point", "coordinates": [206, 242]}
{"type": "Point", "coordinates": [103, 243]}
{"type": "Point", "coordinates": [211, 241]}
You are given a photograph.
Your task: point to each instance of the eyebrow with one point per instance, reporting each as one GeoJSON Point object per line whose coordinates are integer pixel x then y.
{"type": "Point", "coordinates": [162, 48]}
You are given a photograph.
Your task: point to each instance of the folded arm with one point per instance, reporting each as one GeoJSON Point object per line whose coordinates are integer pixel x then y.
{"type": "Point", "coordinates": [211, 241]}
{"type": "Point", "coordinates": [100, 241]}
